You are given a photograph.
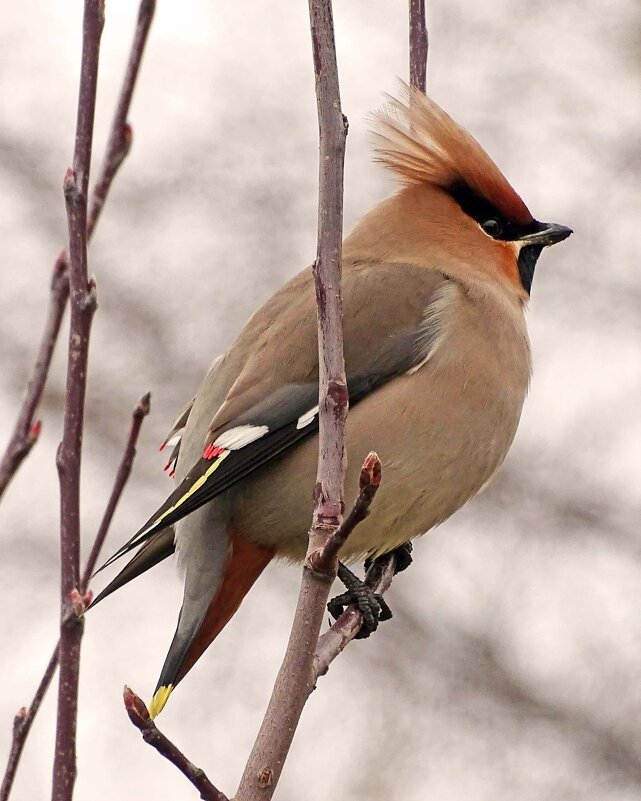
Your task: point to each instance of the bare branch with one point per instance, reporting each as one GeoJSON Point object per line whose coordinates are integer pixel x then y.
{"type": "Point", "coordinates": [82, 294]}
{"type": "Point", "coordinates": [139, 716]}
{"type": "Point", "coordinates": [294, 681]}
{"type": "Point", "coordinates": [418, 45]}
{"type": "Point", "coordinates": [120, 136]}
{"type": "Point", "coordinates": [122, 475]}
{"type": "Point", "coordinates": [26, 429]}
{"type": "Point", "coordinates": [324, 558]}
{"type": "Point", "coordinates": [22, 723]}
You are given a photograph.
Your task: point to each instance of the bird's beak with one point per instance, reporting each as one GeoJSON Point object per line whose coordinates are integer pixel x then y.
{"type": "Point", "coordinates": [548, 234]}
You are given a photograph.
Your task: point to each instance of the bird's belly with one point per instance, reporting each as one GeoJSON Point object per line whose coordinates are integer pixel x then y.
{"type": "Point", "coordinates": [439, 441]}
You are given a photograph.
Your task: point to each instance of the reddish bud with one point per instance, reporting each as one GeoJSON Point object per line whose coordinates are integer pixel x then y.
{"type": "Point", "coordinates": [135, 706]}
{"type": "Point", "coordinates": [69, 182]}
{"type": "Point", "coordinates": [371, 471]}
{"type": "Point", "coordinates": [77, 601]}
{"type": "Point", "coordinates": [34, 432]}
{"type": "Point", "coordinates": [144, 407]}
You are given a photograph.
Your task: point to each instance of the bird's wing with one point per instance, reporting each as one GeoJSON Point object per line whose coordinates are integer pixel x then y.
{"type": "Point", "coordinates": [272, 404]}
{"type": "Point", "coordinates": [173, 438]}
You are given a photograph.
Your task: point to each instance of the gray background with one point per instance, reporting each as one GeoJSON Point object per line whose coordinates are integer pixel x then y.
{"type": "Point", "coordinates": [513, 666]}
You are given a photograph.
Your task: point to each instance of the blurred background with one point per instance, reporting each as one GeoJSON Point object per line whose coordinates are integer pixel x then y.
{"type": "Point", "coordinates": [512, 669]}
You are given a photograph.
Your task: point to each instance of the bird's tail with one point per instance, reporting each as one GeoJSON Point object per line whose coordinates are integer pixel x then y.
{"type": "Point", "coordinates": [244, 565]}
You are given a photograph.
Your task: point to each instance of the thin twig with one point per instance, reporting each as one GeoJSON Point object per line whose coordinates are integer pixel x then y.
{"type": "Point", "coordinates": [294, 681]}
{"type": "Point", "coordinates": [27, 429]}
{"type": "Point", "coordinates": [369, 483]}
{"type": "Point", "coordinates": [419, 44]}
{"type": "Point", "coordinates": [82, 297]}
{"type": "Point", "coordinates": [22, 725]}
{"type": "Point", "coordinates": [120, 136]}
{"type": "Point", "coordinates": [139, 716]}
{"type": "Point", "coordinates": [124, 469]}
{"type": "Point", "coordinates": [23, 721]}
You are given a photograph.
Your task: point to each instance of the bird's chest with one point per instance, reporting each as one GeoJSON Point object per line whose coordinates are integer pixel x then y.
{"type": "Point", "coordinates": [445, 429]}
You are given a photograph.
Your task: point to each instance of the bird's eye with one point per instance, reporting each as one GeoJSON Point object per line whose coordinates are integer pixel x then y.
{"type": "Point", "coordinates": [492, 227]}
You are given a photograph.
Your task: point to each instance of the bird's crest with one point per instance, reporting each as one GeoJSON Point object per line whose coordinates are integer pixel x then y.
{"type": "Point", "coordinates": [418, 141]}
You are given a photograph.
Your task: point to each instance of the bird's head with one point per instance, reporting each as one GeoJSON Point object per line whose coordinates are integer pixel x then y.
{"type": "Point", "coordinates": [456, 212]}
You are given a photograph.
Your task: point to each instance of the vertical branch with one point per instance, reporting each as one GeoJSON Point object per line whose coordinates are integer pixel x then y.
{"type": "Point", "coordinates": [118, 146]}
{"type": "Point", "coordinates": [26, 430]}
{"type": "Point", "coordinates": [83, 303]}
{"type": "Point", "coordinates": [26, 716]}
{"type": "Point", "coordinates": [295, 679]}
{"type": "Point", "coordinates": [419, 43]}
{"type": "Point", "coordinates": [333, 399]}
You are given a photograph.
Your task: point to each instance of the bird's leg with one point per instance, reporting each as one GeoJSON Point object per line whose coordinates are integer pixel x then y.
{"type": "Point", "coordinates": [371, 604]}
{"type": "Point", "coordinates": [403, 558]}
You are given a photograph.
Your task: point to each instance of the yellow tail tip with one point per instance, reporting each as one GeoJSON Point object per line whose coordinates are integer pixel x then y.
{"type": "Point", "coordinates": [159, 700]}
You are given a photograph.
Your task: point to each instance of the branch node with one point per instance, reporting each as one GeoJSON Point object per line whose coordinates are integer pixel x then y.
{"type": "Point", "coordinates": [70, 188]}
{"type": "Point", "coordinates": [89, 301]}
{"type": "Point", "coordinates": [265, 778]}
{"type": "Point", "coordinates": [34, 433]}
{"type": "Point", "coordinates": [78, 603]}
{"type": "Point", "coordinates": [317, 562]}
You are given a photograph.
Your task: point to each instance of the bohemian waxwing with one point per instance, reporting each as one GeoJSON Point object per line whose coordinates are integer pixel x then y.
{"type": "Point", "coordinates": [435, 282]}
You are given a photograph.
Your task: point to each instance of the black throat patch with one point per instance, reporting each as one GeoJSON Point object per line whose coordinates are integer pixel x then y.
{"type": "Point", "coordinates": [527, 262]}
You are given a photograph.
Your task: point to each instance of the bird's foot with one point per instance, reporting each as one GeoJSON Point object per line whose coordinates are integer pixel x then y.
{"type": "Point", "coordinates": [371, 604]}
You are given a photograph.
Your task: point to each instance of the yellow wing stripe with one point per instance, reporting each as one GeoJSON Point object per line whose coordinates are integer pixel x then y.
{"type": "Point", "coordinates": [159, 700]}
{"type": "Point", "coordinates": [194, 488]}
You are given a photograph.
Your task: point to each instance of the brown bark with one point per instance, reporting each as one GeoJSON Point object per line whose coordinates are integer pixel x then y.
{"type": "Point", "coordinates": [27, 428]}
{"type": "Point", "coordinates": [294, 681]}
{"type": "Point", "coordinates": [419, 44]}
{"type": "Point", "coordinates": [82, 295]}
{"type": "Point", "coordinates": [139, 716]}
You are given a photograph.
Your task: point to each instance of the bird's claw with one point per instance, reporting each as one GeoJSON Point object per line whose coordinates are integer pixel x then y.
{"type": "Point", "coordinates": [371, 605]}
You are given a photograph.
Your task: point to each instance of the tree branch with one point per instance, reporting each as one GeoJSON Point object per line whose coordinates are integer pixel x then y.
{"type": "Point", "coordinates": [26, 429]}
{"type": "Point", "coordinates": [370, 480]}
{"type": "Point", "coordinates": [139, 716]}
{"type": "Point", "coordinates": [25, 718]}
{"type": "Point", "coordinates": [82, 294]}
{"type": "Point", "coordinates": [294, 680]}
{"type": "Point", "coordinates": [122, 475]}
{"type": "Point", "coordinates": [419, 43]}
{"type": "Point", "coordinates": [22, 724]}
{"type": "Point", "coordinates": [121, 135]}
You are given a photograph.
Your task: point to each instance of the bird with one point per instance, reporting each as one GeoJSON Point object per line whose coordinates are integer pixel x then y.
{"type": "Point", "coordinates": [435, 281]}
